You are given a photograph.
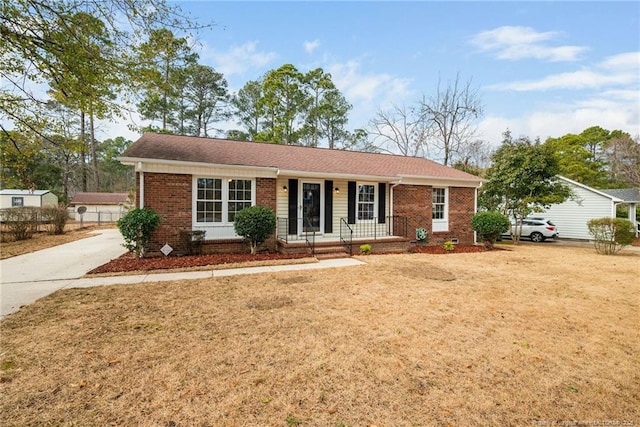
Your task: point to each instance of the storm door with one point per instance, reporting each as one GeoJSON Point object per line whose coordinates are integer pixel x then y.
{"type": "Point", "coordinates": [311, 207]}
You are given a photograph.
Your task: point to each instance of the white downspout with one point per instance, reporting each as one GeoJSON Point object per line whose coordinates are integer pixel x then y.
{"type": "Point", "coordinates": [141, 185]}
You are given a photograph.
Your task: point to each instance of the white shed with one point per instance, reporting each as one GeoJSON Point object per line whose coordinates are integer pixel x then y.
{"type": "Point", "coordinates": [572, 216]}
{"type": "Point", "coordinates": [19, 198]}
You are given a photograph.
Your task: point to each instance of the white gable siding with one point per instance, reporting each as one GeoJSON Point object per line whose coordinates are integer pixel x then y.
{"type": "Point", "coordinates": [572, 216]}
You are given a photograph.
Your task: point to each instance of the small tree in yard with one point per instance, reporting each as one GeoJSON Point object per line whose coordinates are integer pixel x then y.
{"type": "Point", "coordinates": [611, 234]}
{"type": "Point", "coordinates": [255, 224]}
{"type": "Point", "coordinates": [136, 228]}
{"type": "Point", "coordinates": [489, 226]}
{"type": "Point", "coordinates": [522, 180]}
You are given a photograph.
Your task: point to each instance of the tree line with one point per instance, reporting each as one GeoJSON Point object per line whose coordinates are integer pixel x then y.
{"type": "Point", "coordinates": [70, 63]}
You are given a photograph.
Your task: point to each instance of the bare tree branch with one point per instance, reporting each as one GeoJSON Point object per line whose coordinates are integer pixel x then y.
{"type": "Point", "coordinates": [399, 131]}
{"type": "Point", "coordinates": [451, 114]}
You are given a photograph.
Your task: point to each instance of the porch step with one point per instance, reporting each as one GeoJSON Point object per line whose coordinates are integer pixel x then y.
{"type": "Point", "coordinates": [328, 252]}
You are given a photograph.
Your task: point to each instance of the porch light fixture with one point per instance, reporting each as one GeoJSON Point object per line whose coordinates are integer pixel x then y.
{"type": "Point", "coordinates": [285, 189]}
{"type": "Point", "coordinates": [337, 190]}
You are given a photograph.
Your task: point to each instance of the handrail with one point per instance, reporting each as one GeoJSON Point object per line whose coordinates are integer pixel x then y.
{"type": "Point", "coordinates": [393, 225]}
{"type": "Point", "coordinates": [283, 229]}
{"type": "Point", "coordinates": [312, 243]}
{"type": "Point", "coordinates": [349, 244]}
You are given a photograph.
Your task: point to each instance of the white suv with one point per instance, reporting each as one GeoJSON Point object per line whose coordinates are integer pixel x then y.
{"type": "Point", "coordinates": [537, 229]}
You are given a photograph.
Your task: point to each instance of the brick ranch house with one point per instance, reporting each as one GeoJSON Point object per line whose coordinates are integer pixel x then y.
{"type": "Point", "coordinates": [321, 197]}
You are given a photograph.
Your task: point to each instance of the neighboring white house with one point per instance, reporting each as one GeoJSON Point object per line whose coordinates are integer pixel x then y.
{"type": "Point", "coordinates": [100, 207]}
{"type": "Point", "coordinates": [572, 216]}
{"type": "Point", "coordinates": [19, 198]}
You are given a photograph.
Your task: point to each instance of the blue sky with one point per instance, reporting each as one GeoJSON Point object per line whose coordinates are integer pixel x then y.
{"type": "Point", "coordinates": [542, 68]}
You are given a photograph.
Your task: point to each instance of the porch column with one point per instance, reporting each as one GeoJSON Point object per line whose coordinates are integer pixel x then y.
{"type": "Point", "coordinates": [632, 217]}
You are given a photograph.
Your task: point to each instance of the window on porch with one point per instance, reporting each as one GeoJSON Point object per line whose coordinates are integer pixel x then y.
{"type": "Point", "coordinates": [366, 202]}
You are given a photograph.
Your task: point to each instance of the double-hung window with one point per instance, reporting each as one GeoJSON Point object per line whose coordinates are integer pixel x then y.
{"type": "Point", "coordinates": [209, 200]}
{"type": "Point", "coordinates": [239, 196]}
{"type": "Point", "coordinates": [218, 200]}
{"type": "Point", "coordinates": [439, 211]}
{"type": "Point", "coordinates": [366, 202]}
{"type": "Point", "coordinates": [17, 202]}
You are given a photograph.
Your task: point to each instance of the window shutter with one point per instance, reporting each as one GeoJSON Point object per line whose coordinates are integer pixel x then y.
{"type": "Point", "coordinates": [351, 206]}
{"type": "Point", "coordinates": [382, 197]}
{"type": "Point", "coordinates": [293, 206]}
{"type": "Point", "coordinates": [328, 206]}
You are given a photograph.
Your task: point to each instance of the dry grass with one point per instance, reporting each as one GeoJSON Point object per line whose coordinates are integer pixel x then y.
{"type": "Point", "coordinates": [43, 240]}
{"type": "Point", "coordinates": [516, 337]}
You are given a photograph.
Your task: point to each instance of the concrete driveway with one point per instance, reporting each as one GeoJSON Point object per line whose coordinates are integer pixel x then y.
{"type": "Point", "coordinates": [25, 278]}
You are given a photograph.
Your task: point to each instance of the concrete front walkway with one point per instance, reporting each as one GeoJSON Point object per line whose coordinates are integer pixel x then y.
{"type": "Point", "coordinates": [26, 278]}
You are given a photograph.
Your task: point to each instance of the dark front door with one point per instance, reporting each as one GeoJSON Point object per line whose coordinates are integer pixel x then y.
{"type": "Point", "coordinates": [311, 206]}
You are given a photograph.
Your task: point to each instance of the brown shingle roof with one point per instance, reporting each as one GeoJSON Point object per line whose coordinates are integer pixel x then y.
{"type": "Point", "coordinates": [286, 157]}
{"type": "Point", "coordinates": [99, 198]}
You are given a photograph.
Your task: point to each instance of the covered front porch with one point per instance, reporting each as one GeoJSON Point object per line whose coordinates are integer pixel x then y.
{"type": "Point", "coordinates": [387, 235]}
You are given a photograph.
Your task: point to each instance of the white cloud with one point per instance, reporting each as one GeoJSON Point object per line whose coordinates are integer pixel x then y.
{"type": "Point", "coordinates": [515, 43]}
{"type": "Point", "coordinates": [356, 85]}
{"type": "Point", "coordinates": [582, 79]}
{"type": "Point", "coordinates": [236, 60]}
{"type": "Point", "coordinates": [368, 92]}
{"type": "Point", "coordinates": [310, 47]}
{"type": "Point", "coordinates": [556, 120]}
{"type": "Point", "coordinates": [628, 60]}
{"type": "Point", "coordinates": [618, 70]}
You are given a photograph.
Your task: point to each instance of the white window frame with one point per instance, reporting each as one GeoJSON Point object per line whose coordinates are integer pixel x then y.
{"type": "Point", "coordinates": [15, 199]}
{"type": "Point", "coordinates": [197, 199]}
{"type": "Point", "coordinates": [225, 199]}
{"type": "Point", "coordinates": [375, 201]}
{"type": "Point", "coordinates": [250, 201]}
{"type": "Point", "coordinates": [441, 224]}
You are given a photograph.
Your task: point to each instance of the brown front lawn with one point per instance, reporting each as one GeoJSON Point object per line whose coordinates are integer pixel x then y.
{"type": "Point", "coordinates": [523, 336]}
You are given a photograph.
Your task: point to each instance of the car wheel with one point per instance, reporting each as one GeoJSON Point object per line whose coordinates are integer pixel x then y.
{"type": "Point", "coordinates": [536, 237]}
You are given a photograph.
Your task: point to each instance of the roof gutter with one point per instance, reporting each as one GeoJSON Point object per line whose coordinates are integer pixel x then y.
{"type": "Point", "coordinates": [133, 161]}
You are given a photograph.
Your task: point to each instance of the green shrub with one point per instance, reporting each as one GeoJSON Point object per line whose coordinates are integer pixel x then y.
{"type": "Point", "coordinates": [56, 217]}
{"type": "Point", "coordinates": [449, 246]}
{"type": "Point", "coordinates": [611, 234]}
{"type": "Point", "coordinates": [136, 228]}
{"type": "Point", "coordinates": [255, 224]}
{"type": "Point", "coordinates": [22, 223]}
{"type": "Point", "coordinates": [489, 226]}
{"type": "Point", "coordinates": [365, 249]}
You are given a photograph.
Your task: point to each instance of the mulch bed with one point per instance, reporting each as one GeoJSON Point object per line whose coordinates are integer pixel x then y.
{"type": "Point", "coordinates": [130, 262]}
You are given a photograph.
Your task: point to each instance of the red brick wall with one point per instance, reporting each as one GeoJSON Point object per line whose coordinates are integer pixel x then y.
{"type": "Point", "coordinates": [169, 195]}
{"type": "Point", "coordinates": [415, 203]}
{"type": "Point", "coordinates": [461, 209]}
{"type": "Point", "coordinates": [266, 193]}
